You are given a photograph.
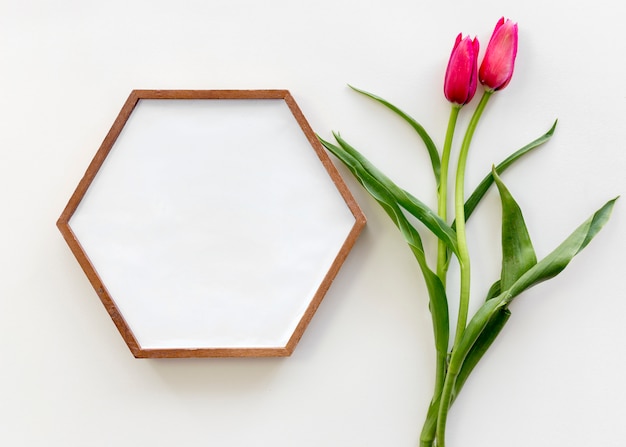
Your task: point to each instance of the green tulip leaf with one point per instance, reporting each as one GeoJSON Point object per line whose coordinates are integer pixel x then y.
{"type": "Point", "coordinates": [547, 268]}
{"type": "Point", "coordinates": [430, 145]}
{"type": "Point", "coordinates": [557, 260]}
{"type": "Point", "coordinates": [486, 338]}
{"type": "Point", "coordinates": [494, 290]}
{"type": "Point", "coordinates": [518, 254]}
{"type": "Point", "coordinates": [366, 172]}
{"type": "Point", "coordinates": [472, 333]}
{"type": "Point", "coordinates": [438, 303]}
{"type": "Point", "coordinates": [438, 306]}
{"type": "Point", "coordinates": [482, 188]}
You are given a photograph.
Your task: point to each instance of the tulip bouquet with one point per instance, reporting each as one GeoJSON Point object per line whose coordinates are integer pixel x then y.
{"type": "Point", "coordinates": [457, 356]}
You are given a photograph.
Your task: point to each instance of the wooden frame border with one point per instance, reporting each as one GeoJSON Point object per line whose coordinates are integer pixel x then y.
{"type": "Point", "coordinates": [92, 275]}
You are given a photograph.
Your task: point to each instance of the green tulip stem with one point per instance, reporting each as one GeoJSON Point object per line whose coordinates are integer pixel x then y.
{"type": "Point", "coordinates": [442, 252]}
{"type": "Point", "coordinates": [428, 431]}
{"type": "Point", "coordinates": [464, 260]}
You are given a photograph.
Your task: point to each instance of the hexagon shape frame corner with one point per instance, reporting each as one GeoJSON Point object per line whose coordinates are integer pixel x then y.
{"type": "Point", "coordinates": [207, 225]}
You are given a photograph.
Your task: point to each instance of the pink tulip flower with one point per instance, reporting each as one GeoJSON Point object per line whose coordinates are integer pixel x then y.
{"type": "Point", "coordinates": [496, 69]}
{"type": "Point", "coordinates": [461, 76]}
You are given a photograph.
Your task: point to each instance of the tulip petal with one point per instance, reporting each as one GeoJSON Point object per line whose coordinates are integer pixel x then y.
{"type": "Point", "coordinates": [498, 64]}
{"type": "Point", "coordinates": [461, 74]}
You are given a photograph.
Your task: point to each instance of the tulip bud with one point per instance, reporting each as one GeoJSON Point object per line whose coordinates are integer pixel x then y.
{"type": "Point", "coordinates": [461, 76]}
{"type": "Point", "coordinates": [497, 66]}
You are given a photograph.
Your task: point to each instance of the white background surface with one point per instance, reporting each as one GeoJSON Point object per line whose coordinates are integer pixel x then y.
{"type": "Point", "coordinates": [362, 374]}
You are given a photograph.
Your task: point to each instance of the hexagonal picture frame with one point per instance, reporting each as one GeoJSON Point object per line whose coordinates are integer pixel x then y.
{"type": "Point", "coordinates": [211, 223]}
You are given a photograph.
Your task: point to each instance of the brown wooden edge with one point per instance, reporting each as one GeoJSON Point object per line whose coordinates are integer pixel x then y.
{"type": "Point", "coordinates": [70, 237]}
{"type": "Point", "coordinates": [96, 164]}
{"type": "Point", "coordinates": [347, 196]}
